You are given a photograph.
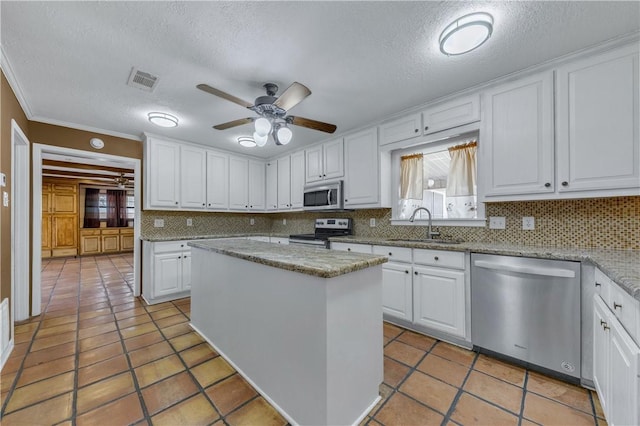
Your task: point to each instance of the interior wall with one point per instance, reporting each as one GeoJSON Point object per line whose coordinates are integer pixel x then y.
{"type": "Point", "coordinates": [9, 109]}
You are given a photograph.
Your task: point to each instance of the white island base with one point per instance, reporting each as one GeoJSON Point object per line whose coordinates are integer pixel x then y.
{"type": "Point", "coordinates": [311, 346]}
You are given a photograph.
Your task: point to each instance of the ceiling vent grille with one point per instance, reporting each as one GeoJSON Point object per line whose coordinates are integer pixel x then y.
{"type": "Point", "coordinates": [142, 80]}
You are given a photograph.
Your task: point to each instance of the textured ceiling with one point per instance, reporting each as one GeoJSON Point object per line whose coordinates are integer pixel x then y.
{"type": "Point", "coordinates": [362, 60]}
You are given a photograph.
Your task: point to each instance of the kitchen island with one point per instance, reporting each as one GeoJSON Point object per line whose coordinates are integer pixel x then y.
{"type": "Point", "coordinates": [301, 324]}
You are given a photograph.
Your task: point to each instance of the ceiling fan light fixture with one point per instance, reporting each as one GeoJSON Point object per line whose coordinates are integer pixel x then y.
{"type": "Point", "coordinates": [247, 141]}
{"type": "Point", "coordinates": [466, 33]}
{"type": "Point", "coordinates": [121, 181]}
{"type": "Point", "coordinates": [283, 134]}
{"type": "Point", "coordinates": [263, 126]}
{"type": "Point", "coordinates": [260, 140]}
{"type": "Point", "coordinates": [163, 119]}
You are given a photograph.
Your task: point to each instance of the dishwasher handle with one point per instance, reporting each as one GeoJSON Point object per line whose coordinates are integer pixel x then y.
{"type": "Point", "coordinates": [531, 270]}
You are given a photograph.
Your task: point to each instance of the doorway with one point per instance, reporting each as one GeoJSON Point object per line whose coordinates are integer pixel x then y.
{"type": "Point", "coordinates": [40, 151]}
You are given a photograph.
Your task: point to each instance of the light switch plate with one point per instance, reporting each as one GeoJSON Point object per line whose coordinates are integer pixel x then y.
{"type": "Point", "coordinates": [252, 221]}
{"type": "Point", "coordinates": [372, 222]}
{"type": "Point", "coordinates": [528, 223]}
{"type": "Point", "coordinates": [5, 199]}
{"type": "Point", "coordinates": [496, 222]}
{"type": "Point", "coordinates": [3, 179]}
{"type": "Point", "coordinates": [189, 222]}
{"type": "Point", "coordinates": [158, 223]}
{"type": "Point", "coordinates": [284, 221]}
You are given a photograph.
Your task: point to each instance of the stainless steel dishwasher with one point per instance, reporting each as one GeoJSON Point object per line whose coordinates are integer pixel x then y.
{"type": "Point", "coordinates": [527, 309]}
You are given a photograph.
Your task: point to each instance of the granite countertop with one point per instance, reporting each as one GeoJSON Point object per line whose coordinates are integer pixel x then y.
{"type": "Point", "coordinates": [622, 266]}
{"type": "Point", "coordinates": [209, 237]}
{"type": "Point", "coordinates": [319, 262]}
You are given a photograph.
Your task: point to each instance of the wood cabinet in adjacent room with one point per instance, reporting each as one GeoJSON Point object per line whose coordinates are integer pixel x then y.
{"type": "Point", "coordinates": [59, 219]}
{"type": "Point", "coordinates": [105, 240]}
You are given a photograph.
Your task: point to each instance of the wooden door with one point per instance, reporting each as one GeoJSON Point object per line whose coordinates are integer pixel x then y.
{"type": "Point", "coordinates": [64, 233]}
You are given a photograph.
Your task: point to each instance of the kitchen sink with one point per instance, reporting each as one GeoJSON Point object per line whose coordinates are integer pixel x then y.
{"type": "Point", "coordinates": [434, 241]}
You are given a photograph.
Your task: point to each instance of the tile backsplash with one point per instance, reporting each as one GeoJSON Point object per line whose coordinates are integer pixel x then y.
{"type": "Point", "coordinates": [591, 223]}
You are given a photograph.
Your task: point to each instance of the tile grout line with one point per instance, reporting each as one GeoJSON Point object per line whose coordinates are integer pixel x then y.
{"type": "Point", "coordinates": [524, 396]}
{"type": "Point", "coordinates": [456, 398]}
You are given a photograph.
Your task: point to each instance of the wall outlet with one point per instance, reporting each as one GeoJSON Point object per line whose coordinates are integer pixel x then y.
{"type": "Point", "coordinates": [528, 223]}
{"type": "Point", "coordinates": [284, 221]}
{"type": "Point", "coordinates": [372, 222]}
{"type": "Point", "coordinates": [189, 222]}
{"type": "Point", "coordinates": [252, 221]}
{"type": "Point", "coordinates": [3, 179]}
{"type": "Point", "coordinates": [5, 199]}
{"type": "Point", "coordinates": [496, 222]}
{"type": "Point", "coordinates": [158, 223]}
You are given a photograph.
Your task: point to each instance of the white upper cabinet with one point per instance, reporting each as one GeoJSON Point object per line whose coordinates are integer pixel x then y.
{"type": "Point", "coordinates": [193, 173]}
{"type": "Point", "coordinates": [272, 186]}
{"type": "Point", "coordinates": [297, 180]}
{"type": "Point", "coordinates": [516, 146]}
{"type": "Point", "coordinates": [284, 183]}
{"type": "Point", "coordinates": [257, 178]}
{"type": "Point", "coordinates": [451, 114]}
{"type": "Point", "coordinates": [238, 183]}
{"type": "Point", "coordinates": [217, 181]}
{"type": "Point", "coordinates": [162, 174]}
{"type": "Point", "coordinates": [598, 125]}
{"type": "Point", "coordinates": [325, 161]}
{"type": "Point", "coordinates": [401, 129]}
{"type": "Point", "coordinates": [362, 179]}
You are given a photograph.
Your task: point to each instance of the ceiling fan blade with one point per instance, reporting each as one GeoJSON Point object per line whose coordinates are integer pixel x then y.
{"type": "Point", "coordinates": [223, 95]}
{"type": "Point", "coordinates": [312, 124]}
{"type": "Point", "coordinates": [234, 123]}
{"type": "Point", "coordinates": [292, 96]}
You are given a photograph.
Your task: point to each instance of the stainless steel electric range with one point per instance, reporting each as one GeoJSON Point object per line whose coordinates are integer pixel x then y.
{"type": "Point", "coordinates": [324, 229]}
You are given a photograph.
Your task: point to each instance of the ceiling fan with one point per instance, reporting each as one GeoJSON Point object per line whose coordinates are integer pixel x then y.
{"type": "Point", "coordinates": [272, 111]}
{"type": "Point", "coordinates": [121, 180]}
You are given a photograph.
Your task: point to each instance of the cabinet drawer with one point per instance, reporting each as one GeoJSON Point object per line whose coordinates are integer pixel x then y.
{"type": "Point", "coordinates": [170, 246]}
{"type": "Point", "coordinates": [602, 284]}
{"type": "Point", "coordinates": [625, 308]}
{"type": "Point", "coordinates": [445, 259]}
{"type": "Point", "coordinates": [86, 232]}
{"type": "Point", "coordinates": [110, 231]}
{"type": "Point", "coordinates": [126, 231]}
{"type": "Point", "coordinates": [396, 254]}
{"type": "Point", "coordinates": [356, 248]}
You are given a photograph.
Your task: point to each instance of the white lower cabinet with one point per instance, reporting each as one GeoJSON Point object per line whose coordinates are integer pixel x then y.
{"type": "Point", "coordinates": [616, 367]}
{"type": "Point", "coordinates": [166, 271]}
{"type": "Point", "coordinates": [397, 290]}
{"type": "Point", "coordinates": [438, 299]}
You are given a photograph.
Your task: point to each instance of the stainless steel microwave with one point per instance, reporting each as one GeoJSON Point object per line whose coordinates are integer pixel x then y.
{"type": "Point", "coordinates": [324, 196]}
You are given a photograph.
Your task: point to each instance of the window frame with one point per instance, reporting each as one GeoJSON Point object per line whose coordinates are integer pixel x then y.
{"type": "Point", "coordinates": [435, 143]}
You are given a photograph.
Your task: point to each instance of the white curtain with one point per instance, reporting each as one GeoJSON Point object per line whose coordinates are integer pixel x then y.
{"type": "Point", "coordinates": [411, 176]}
{"type": "Point", "coordinates": [461, 182]}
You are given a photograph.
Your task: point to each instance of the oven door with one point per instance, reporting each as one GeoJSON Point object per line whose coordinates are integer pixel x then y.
{"type": "Point", "coordinates": [325, 197]}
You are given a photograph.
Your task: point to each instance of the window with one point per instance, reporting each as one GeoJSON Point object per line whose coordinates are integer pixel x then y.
{"type": "Point", "coordinates": [96, 210]}
{"type": "Point", "coordinates": [130, 206]}
{"type": "Point", "coordinates": [102, 205]}
{"type": "Point", "coordinates": [439, 176]}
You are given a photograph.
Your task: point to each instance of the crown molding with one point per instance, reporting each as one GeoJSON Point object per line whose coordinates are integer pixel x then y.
{"type": "Point", "coordinates": [90, 129]}
{"type": "Point", "coordinates": [13, 82]}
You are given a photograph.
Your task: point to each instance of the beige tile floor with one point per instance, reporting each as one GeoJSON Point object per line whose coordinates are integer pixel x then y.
{"type": "Point", "coordinates": [97, 355]}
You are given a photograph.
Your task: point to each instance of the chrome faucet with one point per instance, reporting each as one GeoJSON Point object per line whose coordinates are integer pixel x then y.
{"type": "Point", "coordinates": [430, 233]}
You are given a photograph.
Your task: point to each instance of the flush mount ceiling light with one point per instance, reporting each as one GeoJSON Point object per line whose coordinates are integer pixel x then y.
{"type": "Point", "coordinates": [163, 119]}
{"type": "Point", "coordinates": [247, 142]}
{"type": "Point", "coordinates": [466, 33]}
{"type": "Point", "coordinates": [96, 143]}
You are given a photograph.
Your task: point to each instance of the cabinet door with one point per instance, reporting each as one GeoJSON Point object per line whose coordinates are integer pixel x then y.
{"type": "Point", "coordinates": [297, 180]}
{"type": "Point", "coordinates": [272, 186]}
{"type": "Point", "coordinates": [361, 185]}
{"type": "Point", "coordinates": [47, 206]}
{"type": "Point", "coordinates": [601, 353]}
{"type": "Point", "coordinates": [257, 185]}
{"type": "Point", "coordinates": [624, 356]}
{"type": "Point", "coordinates": [397, 291]}
{"type": "Point", "coordinates": [110, 243]}
{"type": "Point", "coordinates": [64, 232]}
{"type": "Point", "coordinates": [451, 114]}
{"type": "Point", "coordinates": [284, 183]}
{"type": "Point", "coordinates": [163, 171]}
{"type": "Point", "coordinates": [598, 122]}
{"type": "Point", "coordinates": [126, 242]}
{"type": "Point", "coordinates": [193, 174]}
{"type": "Point", "coordinates": [46, 231]}
{"type": "Point", "coordinates": [186, 271]}
{"type": "Point", "coordinates": [517, 144]}
{"type": "Point", "coordinates": [167, 273]}
{"type": "Point", "coordinates": [217, 181]}
{"type": "Point", "coordinates": [439, 299]}
{"type": "Point", "coordinates": [238, 183]}
{"type": "Point", "coordinates": [400, 129]}
{"type": "Point", "coordinates": [90, 244]}
{"type": "Point", "coordinates": [314, 164]}
{"type": "Point", "coordinates": [333, 159]}
{"type": "Point", "coordinates": [64, 202]}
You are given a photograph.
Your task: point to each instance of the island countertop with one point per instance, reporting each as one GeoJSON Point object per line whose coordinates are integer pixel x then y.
{"type": "Point", "coordinates": [314, 261]}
